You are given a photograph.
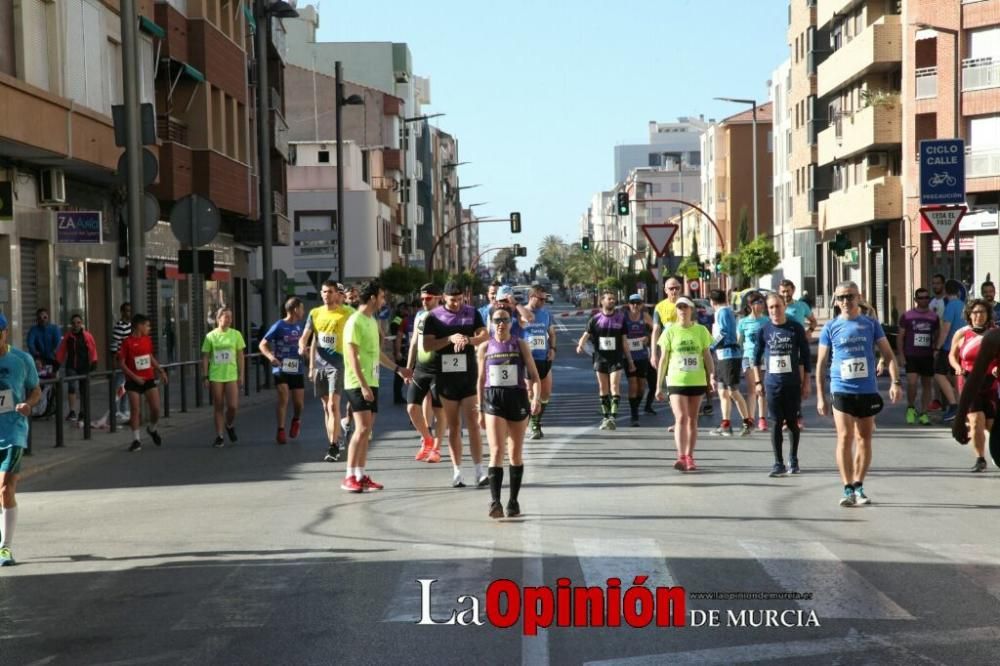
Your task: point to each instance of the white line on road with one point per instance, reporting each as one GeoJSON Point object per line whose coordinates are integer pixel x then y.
{"type": "Point", "coordinates": [534, 649]}
{"type": "Point", "coordinates": [837, 589]}
{"type": "Point", "coordinates": [602, 559]}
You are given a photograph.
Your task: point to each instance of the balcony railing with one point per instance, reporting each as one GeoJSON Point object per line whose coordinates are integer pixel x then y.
{"type": "Point", "coordinates": [982, 162]}
{"type": "Point", "coordinates": [926, 82]}
{"type": "Point", "coordinates": [979, 73]}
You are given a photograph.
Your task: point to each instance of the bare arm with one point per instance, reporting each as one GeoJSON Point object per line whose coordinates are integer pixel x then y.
{"type": "Point", "coordinates": [975, 381]}
{"type": "Point", "coordinates": [821, 355]}
{"type": "Point", "coordinates": [953, 360]}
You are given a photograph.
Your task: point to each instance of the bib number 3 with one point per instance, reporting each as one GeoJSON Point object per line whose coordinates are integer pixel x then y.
{"type": "Point", "coordinates": [503, 375]}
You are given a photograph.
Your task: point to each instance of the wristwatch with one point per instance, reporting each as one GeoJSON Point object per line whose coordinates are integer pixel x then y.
{"type": "Point", "coordinates": [898, 382]}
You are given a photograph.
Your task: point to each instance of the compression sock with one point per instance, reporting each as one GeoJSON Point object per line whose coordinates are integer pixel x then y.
{"type": "Point", "coordinates": [516, 474]}
{"type": "Point", "coordinates": [614, 405]}
{"type": "Point", "coordinates": [495, 475]}
{"type": "Point", "coordinates": [605, 405]}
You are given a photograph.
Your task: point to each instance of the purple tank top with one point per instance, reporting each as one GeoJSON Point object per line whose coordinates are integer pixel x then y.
{"type": "Point", "coordinates": [504, 365]}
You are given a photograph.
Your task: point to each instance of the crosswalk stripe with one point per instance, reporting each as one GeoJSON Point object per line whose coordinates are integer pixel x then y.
{"type": "Point", "coordinates": [601, 559]}
{"type": "Point", "coordinates": [459, 570]}
{"type": "Point", "coordinates": [974, 561]}
{"type": "Point", "coordinates": [838, 591]}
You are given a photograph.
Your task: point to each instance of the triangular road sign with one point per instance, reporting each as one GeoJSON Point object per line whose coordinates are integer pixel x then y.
{"type": "Point", "coordinates": [943, 221]}
{"type": "Point", "coordinates": [659, 236]}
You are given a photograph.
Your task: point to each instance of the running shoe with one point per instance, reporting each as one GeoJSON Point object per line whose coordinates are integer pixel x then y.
{"type": "Point", "coordinates": [949, 414]}
{"type": "Point", "coordinates": [778, 469]}
{"type": "Point", "coordinates": [425, 448]}
{"type": "Point", "coordinates": [859, 494]}
{"type": "Point", "coordinates": [541, 435]}
{"type": "Point", "coordinates": [457, 481]}
{"type": "Point", "coordinates": [935, 405]}
{"type": "Point", "coordinates": [689, 465]}
{"type": "Point", "coordinates": [746, 429]}
{"type": "Point", "coordinates": [496, 509]}
{"type": "Point", "coordinates": [848, 499]}
{"type": "Point", "coordinates": [433, 456]}
{"type": "Point", "coordinates": [980, 465]}
{"type": "Point", "coordinates": [483, 481]}
{"type": "Point", "coordinates": [369, 484]}
{"type": "Point", "coordinates": [281, 439]}
{"type": "Point", "coordinates": [352, 485]}
{"type": "Point", "coordinates": [71, 416]}
{"type": "Point", "coordinates": [725, 432]}
{"type": "Point", "coordinates": [761, 425]}
{"type": "Point", "coordinates": [219, 442]}
{"type": "Point", "coordinates": [231, 433]}
{"type": "Point", "coordinates": [924, 419]}
{"type": "Point", "coordinates": [296, 426]}
{"type": "Point", "coordinates": [911, 415]}
{"type": "Point", "coordinates": [157, 440]}
{"type": "Point", "coordinates": [634, 422]}
{"type": "Point", "coordinates": [332, 454]}
{"type": "Point", "coordinates": [793, 467]}
{"type": "Point", "coordinates": [605, 424]}
{"type": "Point", "coordinates": [612, 424]}
{"type": "Point", "coordinates": [679, 465]}
{"type": "Point", "coordinates": [6, 557]}
{"type": "Point", "coordinates": [649, 410]}
{"type": "Point", "coordinates": [707, 410]}
{"type": "Point", "coordinates": [513, 509]}
{"type": "Point", "coordinates": [670, 428]}
{"type": "Point", "coordinates": [135, 446]}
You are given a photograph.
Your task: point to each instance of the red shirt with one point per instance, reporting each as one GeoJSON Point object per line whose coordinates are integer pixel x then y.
{"type": "Point", "coordinates": [136, 354]}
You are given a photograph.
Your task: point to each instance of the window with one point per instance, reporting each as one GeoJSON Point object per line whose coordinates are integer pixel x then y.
{"type": "Point", "coordinates": [34, 43]}
{"type": "Point", "coordinates": [84, 37]}
{"type": "Point", "coordinates": [675, 188]}
{"type": "Point", "coordinates": [770, 141]}
{"type": "Point", "coordinates": [788, 141]}
{"type": "Point", "coordinates": [323, 157]}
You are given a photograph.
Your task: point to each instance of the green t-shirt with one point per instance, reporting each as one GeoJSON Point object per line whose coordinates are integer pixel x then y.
{"type": "Point", "coordinates": [362, 332]}
{"type": "Point", "coordinates": [686, 347]}
{"type": "Point", "coordinates": [222, 348]}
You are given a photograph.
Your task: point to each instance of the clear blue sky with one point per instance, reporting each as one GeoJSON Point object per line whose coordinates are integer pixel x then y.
{"type": "Point", "coordinates": [539, 93]}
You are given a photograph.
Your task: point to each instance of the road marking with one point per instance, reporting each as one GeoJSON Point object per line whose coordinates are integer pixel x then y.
{"type": "Point", "coordinates": [459, 570]}
{"type": "Point", "coordinates": [242, 600]}
{"type": "Point", "coordinates": [854, 641]}
{"type": "Point", "coordinates": [974, 561]}
{"type": "Point", "coordinates": [602, 559]}
{"type": "Point", "coordinates": [838, 591]}
{"type": "Point", "coordinates": [534, 649]}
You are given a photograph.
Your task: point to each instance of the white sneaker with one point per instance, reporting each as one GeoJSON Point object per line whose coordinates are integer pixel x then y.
{"type": "Point", "coordinates": [345, 423]}
{"type": "Point", "coordinates": [457, 481]}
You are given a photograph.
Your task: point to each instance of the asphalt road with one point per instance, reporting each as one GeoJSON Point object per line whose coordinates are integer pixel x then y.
{"type": "Point", "coordinates": [253, 555]}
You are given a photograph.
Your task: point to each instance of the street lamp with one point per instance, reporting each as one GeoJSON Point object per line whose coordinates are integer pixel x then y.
{"type": "Point", "coordinates": [406, 178]}
{"type": "Point", "coordinates": [339, 103]}
{"type": "Point", "coordinates": [753, 104]}
{"type": "Point", "coordinates": [452, 165]}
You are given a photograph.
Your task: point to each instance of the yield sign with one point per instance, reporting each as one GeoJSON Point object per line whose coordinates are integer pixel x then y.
{"type": "Point", "coordinates": [943, 221]}
{"type": "Point", "coordinates": [659, 236]}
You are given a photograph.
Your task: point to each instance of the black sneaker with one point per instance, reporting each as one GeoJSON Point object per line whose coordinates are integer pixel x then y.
{"type": "Point", "coordinates": [980, 465]}
{"type": "Point", "coordinates": [496, 509]}
{"type": "Point", "coordinates": [332, 454]}
{"type": "Point", "coordinates": [135, 446]}
{"type": "Point", "coordinates": [231, 433]}
{"type": "Point", "coordinates": [707, 410]}
{"type": "Point", "coordinates": [649, 410]}
{"type": "Point", "coordinates": [219, 442]}
{"type": "Point", "coordinates": [513, 509]}
{"type": "Point", "coordinates": [155, 436]}
{"type": "Point", "coordinates": [71, 416]}
{"type": "Point", "coordinates": [634, 422]}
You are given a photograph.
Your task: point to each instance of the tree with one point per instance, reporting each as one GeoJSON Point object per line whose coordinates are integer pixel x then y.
{"type": "Point", "coordinates": [633, 281]}
{"type": "Point", "coordinates": [552, 257]}
{"type": "Point", "coordinates": [402, 280]}
{"type": "Point", "coordinates": [744, 232]}
{"type": "Point", "coordinates": [610, 284]}
{"type": "Point", "coordinates": [758, 257]}
{"type": "Point", "coordinates": [505, 262]}
{"type": "Point", "coordinates": [468, 280]}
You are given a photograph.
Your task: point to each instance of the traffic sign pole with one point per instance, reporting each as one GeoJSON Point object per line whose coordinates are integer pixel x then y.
{"type": "Point", "coordinates": [942, 181]}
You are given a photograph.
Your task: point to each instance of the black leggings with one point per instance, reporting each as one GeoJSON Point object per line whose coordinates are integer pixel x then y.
{"type": "Point", "coordinates": [783, 406]}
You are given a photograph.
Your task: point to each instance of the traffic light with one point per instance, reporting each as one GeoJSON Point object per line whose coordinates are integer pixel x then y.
{"type": "Point", "coordinates": [585, 243]}
{"type": "Point", "coordinates": [840, 244]}
{"type": "Point", "coordinates": [515, 223]}
{"type": "Point", "coordinates": [516, 250]}
{"type": "Point", "coordinates": [622, 203]}
{"type": "Point", "coordinates": [520, 251]}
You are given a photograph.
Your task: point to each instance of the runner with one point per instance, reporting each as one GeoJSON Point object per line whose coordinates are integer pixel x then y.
{"type": "Point", "coordinates": [918, 328]}
{"type": "Point", "coordinates": [728, 366]}
{"type": "Point", "coordinates": [400, 345]}
{"type": "Point", "coordinates": [422, 401]}
{"type": "Point", "coordinates": [746, 334]}
{"type": "Point", "coordinates": [965, 347]}
{"type": "Point", "coordinates": [664, 314]}
{"type": "Point", "coordinates": [782, 346]}
{"type": "Point", "coordinates": [504, 363]}
{"type": "Point", "coordinates": [952, 319]}
{"type": "Point", "coordinates": [850, 341]}
{"type": "Point", "coordinates": [322, 343]}
{"type": "Point", "coordinates": [491, 299]}
{"type": "Point", "coordinates": [686, 362]}
{"type": "Point", "coordinates": [19, 393]}
{"type": "Point", "coordinates": [452, 331]}
{"type": "Point", "coordinates": [121, 330]}
{"type": "Point", "coordinates": [638, 328]}
{"type": "Point", "coordinates": [223, 366]}
{"type": "Point", "coordinates": [938, 298]}
{"type": "Point", "coordinates": [989, 293]}
{"type": "Point", "coordinates": [136, 359]}
{"type": "Point", "coordinates": [976, 382]}
{"type": "Point", "coordinates": [611, 354]}
{"type": "Point", "coordinates": [540, 333]}
{"type": "Point", "coordinates": [797, 310]}
{"type": "Point", "coordinates": [287, 365]}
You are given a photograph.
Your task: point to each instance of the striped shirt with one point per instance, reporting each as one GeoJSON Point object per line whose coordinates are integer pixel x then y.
{"type": "Point", "coordinates": [122, 330]}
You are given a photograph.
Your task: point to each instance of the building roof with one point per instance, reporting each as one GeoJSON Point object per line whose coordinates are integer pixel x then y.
{"type": "Point", "coordinates": [763, 115]}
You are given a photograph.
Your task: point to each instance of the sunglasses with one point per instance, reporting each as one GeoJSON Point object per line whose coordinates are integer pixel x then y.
{"type": "Point", "coordinates": [501, 320]}
{"type": "Point", "coordinates": [846, 297]}
{"type": "Point", "coordinates": [673, 288]}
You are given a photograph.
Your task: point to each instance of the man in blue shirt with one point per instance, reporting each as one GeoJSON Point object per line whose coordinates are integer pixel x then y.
{"type": "Point", "coordinates": [851, 339]}
{"type": "Point", "coordinates": [43, 339]}
{"type": "Point", "coordinates": [19, 393]}
{"type": "Point", "coordinates": [952, 319]}
{"type": "Point", "coordinates": [728, 366]}
{"type": "Point", "coordinates": [540, 334]}
{"type": "Point", "coordinates": [280, 346]}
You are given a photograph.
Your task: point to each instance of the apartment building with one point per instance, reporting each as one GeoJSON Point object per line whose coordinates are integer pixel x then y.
{"type": "Point", "coordinates": [447, 201]}
{"type": "Point", "coordinates": [782, 182]}
{"type": "Point", "coordinates": [951, 87]}
{"type": "Point", "coordinates": [667, 140]}
{"type": "Point", "coordinates": [676, 180]}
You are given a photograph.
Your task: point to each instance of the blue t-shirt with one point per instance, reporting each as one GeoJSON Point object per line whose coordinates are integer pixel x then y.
{"type": "Point", "coordinates": [852, 342]}
{"type": "Point", "coordinates": [724, 335]}
{"type": "Point", "coordinates": [536, 334]}
{"type": "Point", "coordinates": [748, 328]}
{"type": "Point", "coordinates": [780, 350]}
{"type": "Point", "coordinates": [954, 314]}
{"type": "Point", "coordinates": [18, 377]}
{"type": "Point", "coordinates": [798, 311]}
{"type": "Point", "coordinates": [283, 338]}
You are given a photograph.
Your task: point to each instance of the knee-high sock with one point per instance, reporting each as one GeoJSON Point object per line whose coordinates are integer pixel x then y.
{"type": "Point", "coordinates": [516, 474]}
{"type": "Point", "coordinates": [605, 405]}
{"type": "Point", "coordinates": [9, 519]}
{"type": "Point", "coordinates": [614, 405]}
{"type": "Point", "coordinates": [633, 405]}
{"type": "Point", "coordinates": [495, 475]}
{"type": "Point", "coordinates": [541, 413]}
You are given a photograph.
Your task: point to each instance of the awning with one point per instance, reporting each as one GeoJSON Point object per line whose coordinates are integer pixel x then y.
{"type": "Point", "coordinates": [171, 272]}
{"type": "Point", "coordinates": [148, 25]}
{"type": "Point", "coordinates": [176, 69]}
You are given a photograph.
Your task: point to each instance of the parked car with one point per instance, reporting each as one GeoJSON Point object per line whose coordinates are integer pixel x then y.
{"type": "Point", "coordinates": [704, 312]}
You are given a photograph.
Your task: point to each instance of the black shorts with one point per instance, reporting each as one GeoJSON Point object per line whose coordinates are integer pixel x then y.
{"type": "Point", "coordinates": [507, 403]}
{"type": "Point", "coordinates": [641, 368]}
{"type": "Point", "coordinates": [423, 382]}
{"type": "Point", "coordinates": [941, 364]}
{"type": "Point", "coordinates": [132, 387]}
{"type": "Point", "coordinates": [294, 382]}
{"type": "Point", "coordinates": [920, 365]}
{"type": "Point", "coordinates": [857, 405]}
{"type": "Point", "coordinates": [358, 403]}
{"type": "Point", "coordinates": [729, 372]}
{"type": "Point", "coordinates": [606, 366]}
{"type": "Point", "coordinates": [691, 391]}
{"type": "Point", "coordinates": [544, 367]}
{"type": "Point", "coordinates": [456, 386]}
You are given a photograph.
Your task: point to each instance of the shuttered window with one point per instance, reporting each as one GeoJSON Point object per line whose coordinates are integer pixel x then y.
{"type": "Point", "coordinates": [987, 258]}
{"type": "Point", "coordinates": [29, 284]}
{"type": "Point", "coordinates": [34, 42]}
{"type": "Point", "coordinates": [85, 60]}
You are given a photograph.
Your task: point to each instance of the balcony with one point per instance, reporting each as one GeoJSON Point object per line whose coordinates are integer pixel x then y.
{"type": "Point", "coordinates": [926, 82]}
{"type": "Point", "coordinates": [392, 159]}
{"type": "Point", "coordinates": [980, 73]}
{"type": "Point", "coordinates": [879, 47]}
{"type": "Point", "coordinates": [280, 139]}
{"type": "Point", "coordinates": [878, 199]}
{"type": "Point", "coordinates": [826, 9]}
{"type": "Point", "coordinates": [871, 128]}
{"type": "Point", "coordinates": [982, 162]}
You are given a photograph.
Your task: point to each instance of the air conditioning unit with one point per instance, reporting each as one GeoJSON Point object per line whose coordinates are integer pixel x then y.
{"type": "Point", "coordinates": [53, 187]}
{"type": "Point", "coordinates": [877, 159]}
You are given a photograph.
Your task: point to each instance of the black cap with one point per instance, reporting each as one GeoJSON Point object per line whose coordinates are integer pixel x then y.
{"type": "Point", "coordinates": [452, 288]}
{"type": "Point", "coordinates": [430, 288]}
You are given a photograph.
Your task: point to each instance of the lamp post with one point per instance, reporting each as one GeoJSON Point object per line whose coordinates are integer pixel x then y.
{"type": "Point", "coordinates": [133, 148]}
{"type": "Point", "coordinates": [405, 139]}
{"type": "Point", "coordinates": [339, 103]}
{"type": "Point", "coordinates": [753, 104]}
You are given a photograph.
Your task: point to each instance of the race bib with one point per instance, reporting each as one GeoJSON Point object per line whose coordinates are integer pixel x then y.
{"type": "Point", "coordinates": [328, 340]}
{"type": "Point", "coordinates": [607, 344]}
{"type": "Point", "coordinates": [6, 401]}
{"type": "Point", "coordinates": [454, 363]}
{"type": "Point", "coordinates": [290, 365]}
{"type": "Point", "coordinates": [537, 342]}
{"type": "Point", "coordinates": [375, 368]}
{"type": "Point", "coordinates": [223, 356]}
{"type": "Point", "coordinates": [721, 354]}
{"type": "Point", "coordinates": [503, 375]}
{"type": "Point", "coordinates": [779, 365]}
{"type": "Point", "coordinates": [921, 339]}
{"type": "Point", "coordinates": [688, 362]}
{"type": "Point", "coordinates": [143, 362]}
{"type": "Point", "coordinates": [854, 368]}
{"type": "Point", "coordinates": [635, 344]}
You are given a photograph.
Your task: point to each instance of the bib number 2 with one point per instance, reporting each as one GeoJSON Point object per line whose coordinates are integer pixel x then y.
{"type": "Point", "coordinates": [454, 363]}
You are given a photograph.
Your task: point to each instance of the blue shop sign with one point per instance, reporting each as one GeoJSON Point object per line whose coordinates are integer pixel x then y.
{"type": "Point", "coordinates": [78, 227]}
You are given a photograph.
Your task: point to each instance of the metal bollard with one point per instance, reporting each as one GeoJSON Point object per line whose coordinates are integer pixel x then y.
{"type": "Point", "coordinates": [184, 402]}
{"type": "Point", "coordinates": [59, 412]}
{"type": "Point", "coordinates": [166, 394]}
{"type": "Point", "coordinates": [86, 406]}
{"type": "Point", "coordinates": [197, 385]}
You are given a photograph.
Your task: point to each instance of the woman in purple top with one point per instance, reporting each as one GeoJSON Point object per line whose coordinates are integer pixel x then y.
{"type": "Point", "coordinates": [504, 363]}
